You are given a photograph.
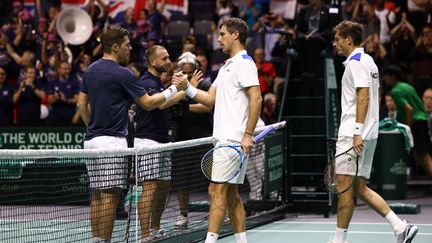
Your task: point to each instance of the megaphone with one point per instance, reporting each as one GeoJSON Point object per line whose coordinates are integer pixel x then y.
{"type": "Point", "coordinates": [74, 25]}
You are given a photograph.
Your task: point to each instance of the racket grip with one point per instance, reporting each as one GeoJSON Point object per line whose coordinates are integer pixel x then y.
{"type": "Point", "coordinates": [263, 133]}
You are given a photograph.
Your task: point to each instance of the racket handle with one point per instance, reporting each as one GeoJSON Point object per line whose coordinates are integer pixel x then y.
{"type": "Point", "coordinates": [263, 133]}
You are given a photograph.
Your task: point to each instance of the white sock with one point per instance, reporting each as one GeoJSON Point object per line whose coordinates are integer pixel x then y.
{"type": "Point", "coordinates": [211, 237]}
{"type": "Point", "coordinates": [241, 237]}
{"type": "Point", "coordinates": [340, 235]}
{"type": "Point", "coordinates": [395, 222]}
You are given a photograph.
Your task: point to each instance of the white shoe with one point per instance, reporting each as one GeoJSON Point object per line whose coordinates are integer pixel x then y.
{"type": "Point", "coordinates": [408, 234]}
{"type": "Point", "coordinates": [182, 222]}
{"type": "Point", "coordinates": [331, 241]}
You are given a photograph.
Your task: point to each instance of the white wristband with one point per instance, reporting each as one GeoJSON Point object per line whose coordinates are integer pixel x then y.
{"type": "Point", "coordinates": [170, 92]}
{"type": "Point", "coordinates": [191, 91]}
{"type": "Point", "coordinates": [358, 129]}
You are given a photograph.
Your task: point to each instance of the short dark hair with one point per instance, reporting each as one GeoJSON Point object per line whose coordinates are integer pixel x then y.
{"type": "Point", "coordinates": [392, 70]}
{"type": "Point", "coordinates": [111, 35]}
{"type": "Point", "coordinates": [352, 29]}
{"type": "Point", "coordinates": [151, 52]}
{"type": "Point", "coordinates": [236, 24]}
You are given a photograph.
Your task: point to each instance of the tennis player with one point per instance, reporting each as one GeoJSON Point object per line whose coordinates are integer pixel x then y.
{"type": "Point", "coordinates": [103, 104]}
{"type": "Point", "coordinates": [154, 169]}
{"type": "Point", "coordinates": [236, 97]}
{"type": "Point", "coordinates": [360, 102]}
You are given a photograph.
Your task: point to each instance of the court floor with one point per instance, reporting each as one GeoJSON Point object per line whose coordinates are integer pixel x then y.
{"type": "Point", "coordinates": [320, 232]}
{"type": "Point", "coordinates": [366, 225]}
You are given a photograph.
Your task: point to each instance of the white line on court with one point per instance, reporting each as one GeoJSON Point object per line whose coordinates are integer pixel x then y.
{"type": "Point", "coordinates": [301, 222]}
{"type": "Point", "coordinates": [46, 229]}
{"type": "Point", "coordinates": [326, 231]}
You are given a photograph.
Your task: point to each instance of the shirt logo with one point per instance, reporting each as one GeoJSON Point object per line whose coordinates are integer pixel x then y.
{"type": "Point", "coordinates": [374, 75]}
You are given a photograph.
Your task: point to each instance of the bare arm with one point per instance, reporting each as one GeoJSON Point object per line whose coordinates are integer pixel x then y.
{"type": "Point", "coordinates": [179, 96]}
{"type": "Point", "coordinates": [10, 50]}
{"type": "Point", "coordinates": [84, 108]}
{"type": "Point", "coordinates": [199, 108]}
{"type": "Point", "coordinates": [206, 98]}
{"type": "Point", "coordinates": [409, 114]}
{"type": "Point", "coordinates": [361, 112]}
{"type": "Point", "coordinates": [255, 101]}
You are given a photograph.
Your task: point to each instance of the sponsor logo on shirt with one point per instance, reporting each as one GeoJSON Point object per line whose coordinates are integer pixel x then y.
{"type": "Point", "coordinates": [374, 75]}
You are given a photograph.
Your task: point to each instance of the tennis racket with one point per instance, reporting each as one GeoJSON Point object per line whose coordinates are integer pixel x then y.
{"type": "Point", "coordinates": [348, 162]}
{"type": "Point", "coordinates": [222, 163]}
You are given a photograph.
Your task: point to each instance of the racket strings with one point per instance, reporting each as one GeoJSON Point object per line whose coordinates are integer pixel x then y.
{"type": "Point", "coordinates": [345, 165]}
{"type": "Point", "coordinates": [223, 160]}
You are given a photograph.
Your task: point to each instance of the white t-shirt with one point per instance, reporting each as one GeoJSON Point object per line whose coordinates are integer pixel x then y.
{"type": "Point", "coordinates": [232, 103]}
{"type": "Point", "coordinates": [360, 71]}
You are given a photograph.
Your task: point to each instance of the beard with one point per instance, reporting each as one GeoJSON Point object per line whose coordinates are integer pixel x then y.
{"type": "Point", "coordinates": [161, 69]}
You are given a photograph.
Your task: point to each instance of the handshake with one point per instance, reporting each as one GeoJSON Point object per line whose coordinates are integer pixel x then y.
{"type": "Point", "coordinates": [182, 82]}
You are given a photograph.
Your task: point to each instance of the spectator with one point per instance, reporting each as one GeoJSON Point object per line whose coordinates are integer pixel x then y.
{"type": "Point", "coordinates": [389, 110]}
{"type": "Point", "coordinates": [268, 113]}
{"type": "Point", "coordinates": [387, 18]}
{"type": "Point", "coordinates": [376, 50]}
{"type": "Point", "coordinates": [268, 27]}
{"type": "Point", "coordinates": [250, 12]}
{"type": "Point", "coordinates": [63, 96]}
{"type": "Point", "coordinates": [412, 112]}
{"type": "Point", "coordinates": [422, 60]}
{"type": "Point", "coordinates": [224, 9]}
{"type": "Point", "coordinates": [427, 101]}
{"type": "Point", "coordinates": [155, 19]}
{"type": "Point", "coordinates": [266, 71]}
{"type": "Point", "coordinates": [28, 95]}
{"type": "Point", "coordinates": [367, 17]}
{"type": "Point", "coordinates": [208, 74]}
{"type": "Point", "coordinates": [313, 36]}
{"type": "Point", "coordinates": [403, 40]}
{"type": "Point", "coordinates": [6, 102]}
{"type": "Point", "coordinates": [79, 70]}
{"type": "Point", "coordinates": [191, 121]}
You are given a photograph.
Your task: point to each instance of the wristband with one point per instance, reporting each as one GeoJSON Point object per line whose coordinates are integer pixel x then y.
{"type": "Point", "coordinates": [191, 91]}
{"type": "Point", "coordinates": [358, 128]}
{"type": "Point", "coordinates": [170, 92]}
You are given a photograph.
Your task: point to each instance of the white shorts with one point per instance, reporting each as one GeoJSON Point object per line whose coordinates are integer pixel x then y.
{"type": "Point", "coordinates": [365, 160]}
{"type": "Point", "coordinates": [152, 166]}
{"type": "Point", "coordinates": [106, 173]}
{"type": "Point", "coordinates": [219, 166]}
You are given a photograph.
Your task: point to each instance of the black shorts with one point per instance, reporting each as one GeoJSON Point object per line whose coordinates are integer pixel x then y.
{"type": "Point", "coordinates": [186, 168]}
{"type": "Point", "coordinates": [422, 143]}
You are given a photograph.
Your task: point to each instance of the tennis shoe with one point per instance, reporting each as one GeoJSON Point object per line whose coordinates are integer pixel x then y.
{"type": "Point", "coordinates": [331, 241]}
{"type": "Point", "coordinates": [409, 233]}
{"type": "Point", "coordinates": [182, 221]}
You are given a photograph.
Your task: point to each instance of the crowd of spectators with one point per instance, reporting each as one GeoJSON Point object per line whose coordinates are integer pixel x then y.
{"type": "Point", "coordinates": [39, 69]}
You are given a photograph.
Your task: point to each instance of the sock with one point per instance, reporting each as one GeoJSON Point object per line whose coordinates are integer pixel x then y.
{"type": "Point", "coordinates": [340, 235]}
{"type": "Point", "coordinates": [100, 240]}
{"type": "Point", "coordinates": [211, 237]}
{"type": "Point", "coordinates": [395, 222]}
{"type": "Point", "coordinates": [241, 237]}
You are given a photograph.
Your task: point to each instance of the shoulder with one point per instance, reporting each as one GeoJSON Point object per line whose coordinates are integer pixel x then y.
{"type": "Point", "coordinates": [147, 80]}
{"type": "Point", "coordinates": [246, 62]}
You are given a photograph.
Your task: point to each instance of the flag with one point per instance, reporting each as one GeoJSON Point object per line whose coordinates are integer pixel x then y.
{"type": "Point", "coordinates": [117, 8]}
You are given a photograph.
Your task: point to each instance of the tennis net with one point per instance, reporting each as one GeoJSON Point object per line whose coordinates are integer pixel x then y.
{"type": "Point", "coordinates": [45, 194]}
